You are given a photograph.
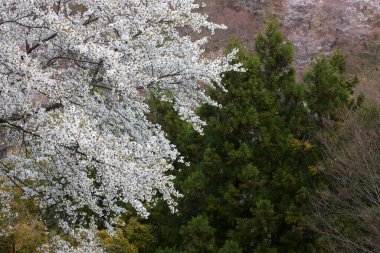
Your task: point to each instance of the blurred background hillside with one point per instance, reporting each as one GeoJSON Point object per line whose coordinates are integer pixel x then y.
{"type": "Point", "coordinates": [313, 26]}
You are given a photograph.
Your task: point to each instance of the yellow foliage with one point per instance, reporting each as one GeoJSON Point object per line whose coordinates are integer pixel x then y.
{"type": "Point", "coordinates": [131, 238]}
{"type": "Point", "coordinates": [23, 229]}
{"type": "Point", "coordinates": [307, 145]}
{"type": "Point", "coordinates": [313, 170]}
{"type": "Point", "coordinates": [298, 144]}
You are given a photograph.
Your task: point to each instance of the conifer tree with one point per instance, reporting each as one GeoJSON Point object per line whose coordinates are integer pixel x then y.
{"type": "Point", "coordinates": [330, 90]}
{"type": "Point", "coordinates": [253, 171]}
{"type": "Point", "coordinates": [250, 177]}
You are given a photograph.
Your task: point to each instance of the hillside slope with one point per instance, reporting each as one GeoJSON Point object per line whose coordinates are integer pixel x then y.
{"type": "Point", "coordinates": [314, 27]}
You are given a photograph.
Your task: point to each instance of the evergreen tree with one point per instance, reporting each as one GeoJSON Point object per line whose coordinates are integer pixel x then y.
{"type": "Point", "coordinates": [329, 88]}
{"type": "Point", "coordinates": [254, 169]}
{"type": "Point", "coordinates": [250, 175]}
{"type": "Point", "coordinates": [263, 158]}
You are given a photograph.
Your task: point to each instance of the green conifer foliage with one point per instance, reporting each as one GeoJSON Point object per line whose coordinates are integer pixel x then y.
{"type": "Point", "coordinates": [198, 236]}
{"type": "Point", "coordinates": [329, 87]}
{"type": "Point", "coordinates": [264, 158]}
{"type": "Point", "coordinates": [253, 171]}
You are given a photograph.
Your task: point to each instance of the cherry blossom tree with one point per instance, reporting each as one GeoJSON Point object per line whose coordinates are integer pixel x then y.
{"type": "Point", "coordinates": [74, 78]}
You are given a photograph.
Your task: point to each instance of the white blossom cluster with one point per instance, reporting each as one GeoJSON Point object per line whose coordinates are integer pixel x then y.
{"type": "Point", "coordinates": [86, 242]}
{"type": "Point", "coordinates": [74, 78]}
